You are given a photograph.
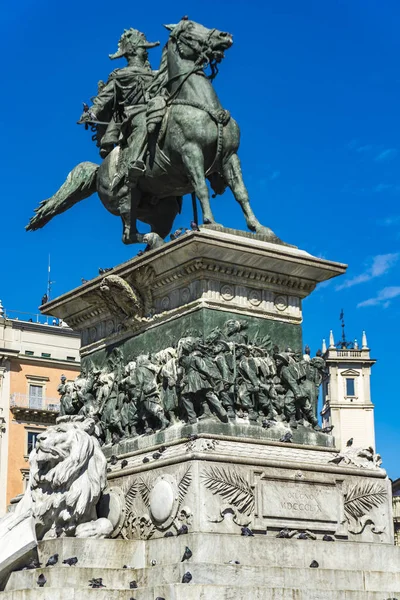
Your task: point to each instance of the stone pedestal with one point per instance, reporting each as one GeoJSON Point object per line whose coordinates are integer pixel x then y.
{"type": "Point", "coordinates": [206, 485]}
{"type": "Point", "coordinates": [195, 283]}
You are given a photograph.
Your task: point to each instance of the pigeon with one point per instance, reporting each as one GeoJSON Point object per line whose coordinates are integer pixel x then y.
{"type": "Point", "coordinates": [327, 429]}
{"type": "Point", "coordinates": [328, 538]}
{"type": "Point", "coordinates": [41, 580]}
{"type": "Point", "coordinates": [156, 455]}
{"type": "Point", "coordinates": [84, 280]}
{"type": "Point", "coordinates": [33, 564]}
{"type": "Point", "coordinates": [124, 463]}
{"type": "Point", "coordinates": [109, 470]}
{"type": "Point", "coordinates": [113, 460]}
{"type": "Point", "coordinates": [182, 530]}
{"type": "Point", "coordinates": [133, 585]}
{"type": "Point", "coordinates": [53, 560]}
{"type": "Point", "coordinates": [127, 567]}
{"type": "Point", "coordinates": [247, 532]}
{"type": "Point", "coordinates": [187, 554]}
{"type": "Point", "coordinates": [153, 562]}
{"type": "Point", "coordinates": [192, 437]}
{"type": "Point", "coordinates": [70, 561]}
{"type": "Point", "coordinates": [176, 233]}
{"type": "Point", "coordinates": [115, 438]}
{"type": "Point", "coordinates": [169, 534]}
{"type": "Point", "coordinates": [314, 564]}
{"type": "Point", "coordinates": [194, 226]}
{"type": "Point", "coordinates": [96, 582]}
{"type": "Point", "coordinates": [146, 460]}
{"type": "Point", "coordinates": [187, 578]}
{"type": "Point", "coordinates": [338, 459]}
{"type": "Point", "coordinates": [287, 438]}
{"type": "Point", "coordinates": [302, 536]}
{"type": "Point", "coordinates": [350, 442]}
{"type": "Point", "coordinates": [284, 533]}
{"type": "Point", "coordinates": [233, 562]}
{"type": "Point", "coordinates": [162, 449]}
{"type": "Point", "coordinates": [267, 423]}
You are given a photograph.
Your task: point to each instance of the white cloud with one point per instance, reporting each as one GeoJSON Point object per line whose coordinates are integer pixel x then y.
{"type": "Point", "coordinates": [383, 298]}
{"type": "Point", "coordinates": [275, 175]}
{"type": "Point", "coordinates": [387, 154]}
{"type": "Point", "coordinates": [383, 187]}
{"type": "Point", "coordinates": [380, 265]}
{"type": "Point", "coordinates": [389, 221]}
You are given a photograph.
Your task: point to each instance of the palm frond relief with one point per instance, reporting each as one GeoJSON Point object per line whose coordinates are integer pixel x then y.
{"type": "Point", "coordinates": [232, 486]}
{"type": "Point", "coordinates": [361, 498]}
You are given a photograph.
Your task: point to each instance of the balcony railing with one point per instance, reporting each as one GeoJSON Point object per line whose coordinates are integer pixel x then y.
{"type": "Point", "coordinates": [396, 507]}
{"type": "Point", "coordinates": [349, 353]}
{"type": "Point", "coordinates": [25, 402]}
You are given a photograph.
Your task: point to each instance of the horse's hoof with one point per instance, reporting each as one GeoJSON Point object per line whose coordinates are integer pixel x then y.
{"type": "Point", "coordinates": [268, 234]}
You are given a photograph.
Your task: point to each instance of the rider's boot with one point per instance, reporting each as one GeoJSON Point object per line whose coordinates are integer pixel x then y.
{"type": "Point", "coordinates": [106, 149]}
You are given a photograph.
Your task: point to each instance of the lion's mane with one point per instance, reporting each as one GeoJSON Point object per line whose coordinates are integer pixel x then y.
{"type": "Point", "coordinates": [66, 488]}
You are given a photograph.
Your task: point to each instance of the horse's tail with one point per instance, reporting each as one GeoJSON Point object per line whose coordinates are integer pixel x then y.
{"type": "Point", "coordinates": [80, 184]}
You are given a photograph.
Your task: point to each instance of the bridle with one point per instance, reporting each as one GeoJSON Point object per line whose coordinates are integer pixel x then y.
{"type": "Point", "coordinates": [203, 48]}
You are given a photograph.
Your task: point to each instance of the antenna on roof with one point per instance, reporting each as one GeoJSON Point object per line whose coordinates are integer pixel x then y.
{"type": "Point", "coordinates": [49, 282]}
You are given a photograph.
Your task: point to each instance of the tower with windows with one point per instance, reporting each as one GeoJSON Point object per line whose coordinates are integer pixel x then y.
{"type": "Point", "coordinates": [346, 391]}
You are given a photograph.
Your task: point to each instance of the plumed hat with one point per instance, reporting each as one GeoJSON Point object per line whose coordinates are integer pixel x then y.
{"type": "Point", "coordinates": [130, 39]}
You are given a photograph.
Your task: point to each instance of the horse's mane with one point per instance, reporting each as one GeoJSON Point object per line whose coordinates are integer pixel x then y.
{"type": "Point", "coordinates": [161, 79]}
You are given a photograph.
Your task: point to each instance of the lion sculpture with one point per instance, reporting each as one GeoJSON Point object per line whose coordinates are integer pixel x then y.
{"type": "Point", "coordinates": [67, 478]}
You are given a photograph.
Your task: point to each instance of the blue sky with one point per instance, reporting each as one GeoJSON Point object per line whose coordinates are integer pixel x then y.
{"type": "Point", "coordinates": [315, 88]}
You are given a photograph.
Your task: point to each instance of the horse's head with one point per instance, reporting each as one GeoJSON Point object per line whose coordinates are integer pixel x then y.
{"type": "Point", "coordinates": [195, 41]}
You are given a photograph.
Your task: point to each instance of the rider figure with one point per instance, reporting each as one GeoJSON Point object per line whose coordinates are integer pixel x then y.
{"type": "Point", "coordinates": [122, 103]}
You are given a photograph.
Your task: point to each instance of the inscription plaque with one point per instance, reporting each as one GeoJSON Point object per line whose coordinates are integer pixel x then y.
{"type": "Point", "coordinates": [289, 500]}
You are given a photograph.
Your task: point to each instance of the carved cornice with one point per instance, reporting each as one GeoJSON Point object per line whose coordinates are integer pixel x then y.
{"type": "Point", "coordinates": [255, 277]}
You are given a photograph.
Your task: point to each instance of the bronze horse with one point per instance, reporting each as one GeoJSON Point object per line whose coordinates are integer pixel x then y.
{"type": "Point", "coordinates": [198, 141]}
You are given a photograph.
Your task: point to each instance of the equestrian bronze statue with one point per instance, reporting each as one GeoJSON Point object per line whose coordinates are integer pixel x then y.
{"type": "Point", "coordinates": [162, 134]}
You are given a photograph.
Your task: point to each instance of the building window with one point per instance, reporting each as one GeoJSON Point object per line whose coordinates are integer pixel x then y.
{"type": "Point", "coordinates": [350, 387]}
{"type": "Point", "coordinates": [35, 396]}
{"type": "Point", "coordinates": [71, 358]}
{"type": "Point", "coordinates": [29, 352]}
{"type": "Point", "coordinates": [32, 435]}
{"type": "Point", "coordinates": [46, 355]}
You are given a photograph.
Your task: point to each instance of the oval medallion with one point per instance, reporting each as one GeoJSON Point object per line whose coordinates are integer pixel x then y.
{"type": "Point", "coordinates": [163, 501]}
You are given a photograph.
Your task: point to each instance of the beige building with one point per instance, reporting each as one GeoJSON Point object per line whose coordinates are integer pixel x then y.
{"type": "Point", "coordinates": [346, 393]}
{"type": "Point", "coordinates": [396, 510]}
{"type": "Point", "coordinates": [33, 356]}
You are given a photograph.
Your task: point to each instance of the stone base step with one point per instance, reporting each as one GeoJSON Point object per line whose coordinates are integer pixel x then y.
{"type": "Point", "coordinates": [195, 592]}
{"type": "Point", "coordinates": [260, 550]}
{"type": "Point", "coordinates": [238, 576]}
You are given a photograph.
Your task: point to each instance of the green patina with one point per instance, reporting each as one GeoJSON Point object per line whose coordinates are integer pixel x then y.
{"type": "Point", "coordinates": [199, 323]}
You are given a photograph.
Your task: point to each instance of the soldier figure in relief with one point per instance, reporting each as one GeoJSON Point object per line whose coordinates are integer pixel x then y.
{"type": "Point", "coordinates": [248, 384]}
{"type": "Point", "coordinates": [225, 386]}
{"type": "Point", "coordinates": [168, 377]}
{"type": "Point", "coordinates": [296, 398]}
{"type": "Point", "coordinates": [197, 384]}
{"type": "Point", "coordinates": [128, 405]}
{"type": "Point", "coordinates": [147, 393]}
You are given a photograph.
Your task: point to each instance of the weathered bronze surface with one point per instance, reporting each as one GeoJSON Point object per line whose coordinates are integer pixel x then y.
{"type": "Point", "coordinates": [162, 134]}
{"type": "Point", "coordinates": [225, 375]}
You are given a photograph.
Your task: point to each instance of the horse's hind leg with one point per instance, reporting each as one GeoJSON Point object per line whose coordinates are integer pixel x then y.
{"type": "Point", "coordinates": [163, 215]}
{"type": "Point", "coordinates": [234, 179]}
{"type": "Point", "coordinates": [128, 210]}
{"type": "Point", "coordinates": [193, 160]}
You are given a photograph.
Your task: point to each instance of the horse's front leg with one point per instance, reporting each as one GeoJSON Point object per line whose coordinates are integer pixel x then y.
{"type": "Point", "coordinates": [234, 179]}
{"type": "Point", "coordinates": [193, 160]}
